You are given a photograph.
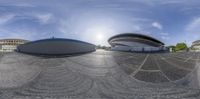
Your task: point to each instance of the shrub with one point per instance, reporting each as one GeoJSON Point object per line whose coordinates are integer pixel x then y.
{"type": "Point", "coordinates": [181, 46]}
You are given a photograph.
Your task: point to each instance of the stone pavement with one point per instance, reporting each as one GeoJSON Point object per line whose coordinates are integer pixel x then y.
{"type": "Point", "coordinates": [101, 74]}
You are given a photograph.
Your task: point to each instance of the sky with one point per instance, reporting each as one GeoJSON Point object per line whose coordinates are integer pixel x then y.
{"type": "Point", "coordinates": [94, 21]}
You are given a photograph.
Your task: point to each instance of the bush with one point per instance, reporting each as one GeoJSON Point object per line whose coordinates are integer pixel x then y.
{"type": "Point", "coordinates": [181, 46]}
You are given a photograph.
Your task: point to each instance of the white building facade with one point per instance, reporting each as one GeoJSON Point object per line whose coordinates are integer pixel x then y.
{"type": "Point", "coordinates": [196, 46]}
{"type": "Point", "coordinates": [135, 43]}
{"type": "Point", "coordinates": [9, 45]}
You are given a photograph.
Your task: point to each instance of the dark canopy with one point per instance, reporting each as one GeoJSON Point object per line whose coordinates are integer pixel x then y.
{"type": "Point", "coordinates": [136, 38]}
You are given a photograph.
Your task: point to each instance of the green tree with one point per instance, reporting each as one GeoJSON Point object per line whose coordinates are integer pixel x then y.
{"type": "Point", "coordinates": [181, 46]}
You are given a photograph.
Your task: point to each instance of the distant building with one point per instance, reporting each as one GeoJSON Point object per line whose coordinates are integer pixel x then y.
{"type": "Point", "coordinates": [196, 45]}
{"type": "Point", "coordinates": [9, 45]}
{"type": "Point", "coordinates": [135, 42]}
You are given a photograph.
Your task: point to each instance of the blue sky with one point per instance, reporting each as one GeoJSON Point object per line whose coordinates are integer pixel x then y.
{"type": "Point", "coordinates": [94, 21]}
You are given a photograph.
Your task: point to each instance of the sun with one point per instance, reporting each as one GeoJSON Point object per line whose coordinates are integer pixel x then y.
{"type": "Point", "coordinates": [99, 36]}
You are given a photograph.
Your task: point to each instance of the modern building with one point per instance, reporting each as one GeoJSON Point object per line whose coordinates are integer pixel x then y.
{"type": "Point", "coordinates": [56, 46]}
{"type": "Point", "coordinates": [196, 45]}
{"type": "Point", "coordinates": [135, 42]}
{"type": "Point", "coordinates": [9, 45]}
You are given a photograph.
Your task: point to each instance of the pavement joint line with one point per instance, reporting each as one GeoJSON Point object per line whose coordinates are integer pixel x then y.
{"type": "Point", "coordinates": [139, 68]}
{"type": "Point", "coordinates": [184, 58]}
{"type": "Point", "coordinates": [176, 65]}
{"type": "Point", "coordinates": [177, 60]}
{"type": "Point", "coordinates": [149, 70]}
{"type": "Point", "coordinates": [162, 71]}
{"type": "Point", "coordinates": [179, 57]}
{"type": "Point", "coordinates": [188, 59]}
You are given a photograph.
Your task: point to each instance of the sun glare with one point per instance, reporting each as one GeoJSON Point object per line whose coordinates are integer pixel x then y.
{"type": "Point", "coordinates": [99, 36]}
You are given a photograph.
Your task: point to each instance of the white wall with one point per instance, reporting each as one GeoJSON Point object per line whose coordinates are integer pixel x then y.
{"type": "Point", "coordinates": [135, 49]}
{"type": "Point", "coordinates": [121, 48]}
{"type": "Point", "coordinates": [8, 48]}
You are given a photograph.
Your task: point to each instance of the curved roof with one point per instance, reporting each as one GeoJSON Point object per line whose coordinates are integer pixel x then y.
{"type": "Point", "coordinates": [135, 35]}
{"type": "Point", "coordinates": [56, 46]}
{"type": "Point", "coordinates": [57, 39]}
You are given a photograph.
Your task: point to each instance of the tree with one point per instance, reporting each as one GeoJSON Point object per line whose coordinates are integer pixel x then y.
{"type": "Point", "coordinates": [181, 46]}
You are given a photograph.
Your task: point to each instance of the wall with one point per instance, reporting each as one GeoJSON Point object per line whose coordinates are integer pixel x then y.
{"type": "Point", "coordinates": [135, 49]}
{"type": "Point", "coordinates": [8, 48]}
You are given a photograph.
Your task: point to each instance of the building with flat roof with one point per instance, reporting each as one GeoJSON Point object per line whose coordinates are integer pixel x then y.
{"type": "Point", "coordinates": [9, 45]}
{"type": "Point", "coordinates": [135, 42]}
{"type": "Point", "coordinates": [196, 45]}
{"type": "Point", "coordinates": [56, 46]}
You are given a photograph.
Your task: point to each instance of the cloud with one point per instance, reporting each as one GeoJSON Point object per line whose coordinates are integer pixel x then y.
{"type": "Point", "coordinates": [33, 19]}
{"type": "Point", "coordinates": [18, 4]}
{"type": "Point", "coordinates": [5, 18]}
{"type": "Point", "coordinates": [164, 34]}
{"type": "Point", "coordinates": [157, 25]}
{"type": "Point", "coordinates": [165, 37]}
{"type": "Point", "coordinates": [193, 30]}
{"type": "Point", "coordinates": [24, 5]}
{"type": "Point", "coordinates": [167, 2]}
{"type": "Point", "coordinates": [193, 26]}
{"type": "Point", "coordinates": [44, 18]}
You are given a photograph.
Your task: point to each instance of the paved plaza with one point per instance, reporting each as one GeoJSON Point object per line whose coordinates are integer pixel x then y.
{"type": "Point", "coordinates": [100, 74]}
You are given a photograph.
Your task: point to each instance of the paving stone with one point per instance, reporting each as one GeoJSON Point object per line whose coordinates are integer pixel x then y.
{"type": "Point", "coordinates": [154, 77]}
{"type": "Point", "coordinates": [101, 74]}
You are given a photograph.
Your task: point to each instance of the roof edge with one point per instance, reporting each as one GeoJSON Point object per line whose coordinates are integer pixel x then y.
{"type": "Point", "coordinates": [59, 39]}
{"type": "Point", "coordinates": [136, 34]}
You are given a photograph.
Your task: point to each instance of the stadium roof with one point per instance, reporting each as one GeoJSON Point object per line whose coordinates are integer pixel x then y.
{"type": "Point", "coordinates": [56, 46]}
{"type": "Point", "coordinates": [132, 37]}
{"type": "Point", "coordinates": [58, 39]}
